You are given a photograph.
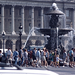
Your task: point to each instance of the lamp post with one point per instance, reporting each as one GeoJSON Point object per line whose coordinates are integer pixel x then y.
{"type": "Point", "coordinates": [20, 33]}
{"type": "Point", "coordinates": [3, 36]}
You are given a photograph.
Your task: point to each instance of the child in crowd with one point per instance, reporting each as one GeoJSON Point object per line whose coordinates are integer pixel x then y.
{"type": "Point", "coordinates": [51, 58]}
{"type": "Point", "coordinates": [57, 61]}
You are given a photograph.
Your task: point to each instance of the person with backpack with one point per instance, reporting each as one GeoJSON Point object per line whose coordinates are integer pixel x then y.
{"type": "Point", "coordinates": [16, 55]}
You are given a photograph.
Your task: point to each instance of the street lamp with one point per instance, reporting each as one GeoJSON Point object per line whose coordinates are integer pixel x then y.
{"type": "Point", "coordinates": [20, 33]}
{"type": "Point", "coordinates": [3, 36]}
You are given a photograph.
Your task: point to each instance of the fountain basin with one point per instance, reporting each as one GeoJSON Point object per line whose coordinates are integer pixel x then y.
{"type": "Point", "coordinates": [61, 31]}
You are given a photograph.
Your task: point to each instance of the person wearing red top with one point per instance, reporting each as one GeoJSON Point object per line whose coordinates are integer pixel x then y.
{"type": "Point", "coordinates": [31, 57]}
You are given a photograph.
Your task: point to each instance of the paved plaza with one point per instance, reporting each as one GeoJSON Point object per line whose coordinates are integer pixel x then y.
{"type": "Point", "coordinates": [61, 71]}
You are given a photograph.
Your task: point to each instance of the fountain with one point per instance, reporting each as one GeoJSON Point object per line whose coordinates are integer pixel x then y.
{"type": "Point", "coordinates": [30, 33]}
{"type": "Point", "coordinates": [54, 31]}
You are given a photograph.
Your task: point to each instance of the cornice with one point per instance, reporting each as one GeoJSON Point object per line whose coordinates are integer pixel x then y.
{"type": "Point", "coordinates": [25, 3]}
{"type": "Point", "coordinates": [37, 3]}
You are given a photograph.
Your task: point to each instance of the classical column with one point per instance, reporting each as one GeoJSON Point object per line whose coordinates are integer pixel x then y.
{"type": "Point", "coordinates": [2, 18]}
{"type": "Point", "coordinates": [74, 20]}
{"type": "Point", "coordinates": [64, 21]}
{"type": "Point", "coordinates": [32, 20]}
{"type": "Point", "coordinates": [13, 24]}
{"type": "Point", "coordinates": [42, 17]}
{"type": "Point", "coordinates": [22, 19]}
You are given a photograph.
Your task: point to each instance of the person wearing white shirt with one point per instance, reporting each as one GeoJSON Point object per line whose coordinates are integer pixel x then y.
{"type": "Point", "coordinates": [9, 56]}
{"type": "Point", "coordinates": [64, 57]}
{"type": "Point", "coordinates": [25, 57]}
{"type": "Point", "coordinates": [38, 58]}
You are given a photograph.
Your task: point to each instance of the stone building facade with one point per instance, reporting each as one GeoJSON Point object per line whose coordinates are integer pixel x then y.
{"type": "Point", "coordinates": [31, 13]}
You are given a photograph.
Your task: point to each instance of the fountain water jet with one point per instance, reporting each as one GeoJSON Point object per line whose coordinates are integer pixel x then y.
{"type": "Point", "coordinates": [30, 33]}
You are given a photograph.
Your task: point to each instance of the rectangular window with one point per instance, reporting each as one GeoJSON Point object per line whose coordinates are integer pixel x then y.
{"type": "Point", "coordinates": [67, 12]}
{"type": "Point", "coordinates": [29, 26]}
{"type": "Point", "coordinates": [39, 13]}
{"type": "Point", "coordinates": [19, 11]}
{"type": "Point", "coordinates": [0, 27]}
{"type": "Point", "coordinates": [9, 11]}
{"type": "Point", "coordinates": [30, 12]}
{"type": "Point", "coordinates": [0, 10]}
{"type": "Point", "coordinates": [39, 25]}
{"type": "Point", "coordinates": [10, 27]}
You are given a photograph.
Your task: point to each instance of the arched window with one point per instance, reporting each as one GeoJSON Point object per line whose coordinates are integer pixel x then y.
{"type": "Point", "coordinates": [18, 44]}
{"type": "Point", "coordinates": [8, 44]}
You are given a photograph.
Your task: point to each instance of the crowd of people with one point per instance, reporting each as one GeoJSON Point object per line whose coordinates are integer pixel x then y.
{"type": "Point", "coordinates": [38, 57]}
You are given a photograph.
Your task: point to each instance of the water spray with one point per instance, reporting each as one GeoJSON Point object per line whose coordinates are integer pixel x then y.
{"type": "Point", "coordinates": [30, 33]}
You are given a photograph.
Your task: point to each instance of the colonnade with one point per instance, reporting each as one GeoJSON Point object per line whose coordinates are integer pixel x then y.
{"type": "Point", "coordinates": [22, 18]}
